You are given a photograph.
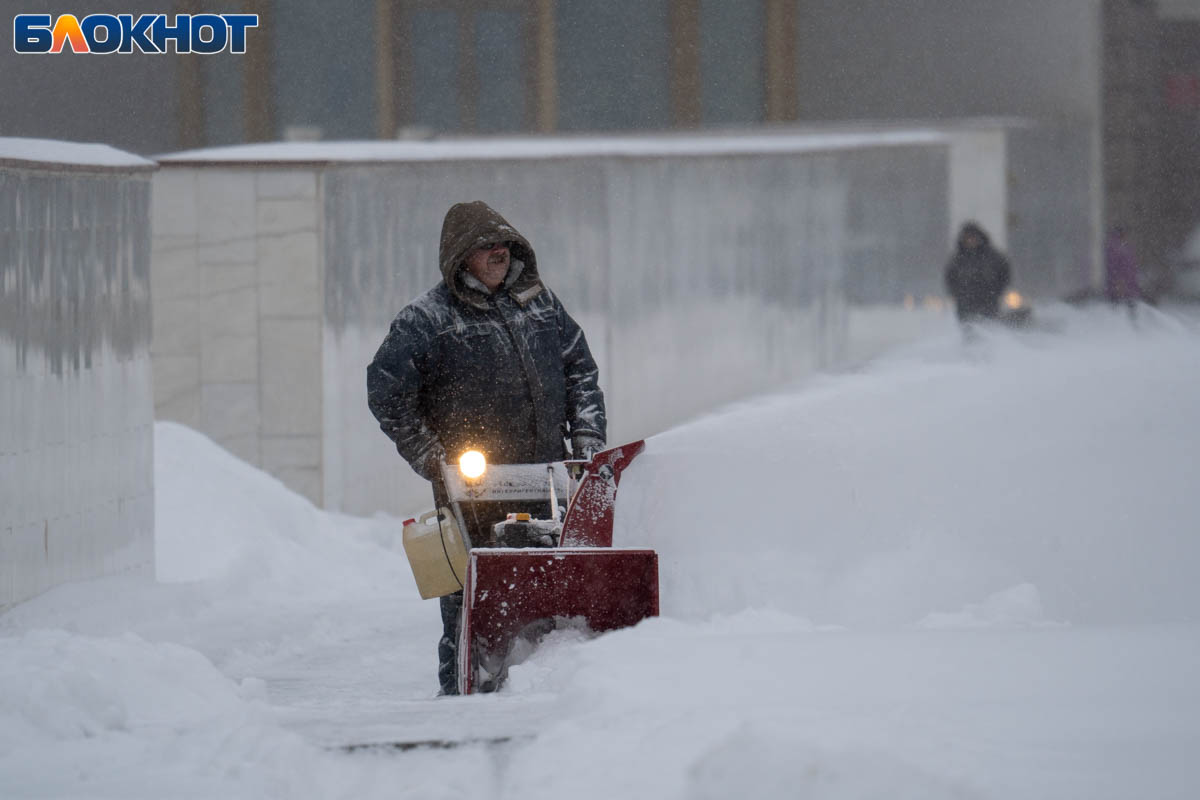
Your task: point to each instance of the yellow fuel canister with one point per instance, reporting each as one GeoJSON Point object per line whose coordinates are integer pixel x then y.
{"type": "Point", "coordinates": [436, 552]}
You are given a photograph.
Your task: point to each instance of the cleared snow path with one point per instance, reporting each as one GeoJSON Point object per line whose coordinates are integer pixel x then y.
{"type": "Point", "coordinates": [962, 571]}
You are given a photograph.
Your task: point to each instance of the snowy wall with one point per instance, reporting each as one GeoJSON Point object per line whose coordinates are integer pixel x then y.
{"type": "Point", "coordinates": [702, 269]}
{"type": "Point", "coordinates": [76, 407]}
{"type": "Point", "coordinates": [698, 280]}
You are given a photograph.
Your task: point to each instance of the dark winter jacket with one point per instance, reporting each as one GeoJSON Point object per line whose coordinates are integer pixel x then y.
{"type": "Point", "coordinates": [977, 276]}
{"type": "Point", "coordinates": [508, 373]}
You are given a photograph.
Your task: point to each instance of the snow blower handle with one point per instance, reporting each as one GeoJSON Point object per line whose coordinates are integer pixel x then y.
{"type": "Point", "coordinates": [553, 494]}
{"type": "Point", "coordinates": [589, 521]}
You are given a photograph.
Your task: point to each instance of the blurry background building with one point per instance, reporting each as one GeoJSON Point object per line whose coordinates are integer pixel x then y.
{"type": "Point", "coordinates": [1127, 72]}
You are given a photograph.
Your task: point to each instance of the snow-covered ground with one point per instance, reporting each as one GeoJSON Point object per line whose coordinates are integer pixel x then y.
{"type": "Point", "coordinates": [964, 570]}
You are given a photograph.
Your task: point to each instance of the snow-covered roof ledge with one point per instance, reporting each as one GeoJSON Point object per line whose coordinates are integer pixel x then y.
{"type": "Point", "coordinates": [544, 147]}
{"type": "Point", "coordinates": [74, 156]}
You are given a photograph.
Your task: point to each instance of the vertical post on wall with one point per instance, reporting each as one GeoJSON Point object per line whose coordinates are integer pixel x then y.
{"type": "Point", "coordinates": [780, 65]}
{"type": "Point", "coordinates": [544, 77]}
{"type": "Point", "coordinates": [401, 67]}
{"type": "Point", "coordinates": [468, 70]}
{"type": "Point", "coordinates": [686, 111]}
{"type": "Point", "coordinates": [258, 107]}
{"type": "Point", "coordinates": [385, 70]}
{"type": "Point", "coordinates": [190, 77]}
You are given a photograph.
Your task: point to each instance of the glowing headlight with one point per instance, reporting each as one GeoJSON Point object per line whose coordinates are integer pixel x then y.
{"type": "Point", "coordinates": [1013, 300]}
{"type": "Point", "coordinates": [472, 464]}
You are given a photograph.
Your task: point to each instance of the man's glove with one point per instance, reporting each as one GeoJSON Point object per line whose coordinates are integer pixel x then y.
{"type": "Point", "coordinates": [431, 465]}
{"type": "Point", "coordinates": [584, 446]}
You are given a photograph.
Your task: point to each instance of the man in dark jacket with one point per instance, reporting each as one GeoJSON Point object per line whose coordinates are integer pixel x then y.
{"type": "Point", "coordinates": [489, 360]}
{"type": "Point", "coordinates": [976, 275]}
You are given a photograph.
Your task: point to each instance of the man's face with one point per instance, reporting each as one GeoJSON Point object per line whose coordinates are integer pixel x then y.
{"type": "Point", "coordinates": [489, 264]}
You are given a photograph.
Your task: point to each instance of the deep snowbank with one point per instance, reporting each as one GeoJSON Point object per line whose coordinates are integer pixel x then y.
{"type": "Point", "coordinates": [874, 585]}
{"type": "Point", "coordinates": [128, 688]}
{"type": "Point", "coordinates": [1062, 461]}
{"type": "Point", "coordinates": [756, 705]}
{"type": "Point", "coordinates": [236, 550]}
{"type": "Point", "coordinates": [224, 520]}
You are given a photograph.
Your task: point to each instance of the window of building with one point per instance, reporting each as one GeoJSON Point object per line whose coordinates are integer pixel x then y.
{"type": "Point", "coordinates": [501, 80]}
{"type": "Point", "coordinates": [731, 61]}
{"type": "Point", "coordinates": [612, 65]}
{"type": "Point", "coordinates": [434, 70]}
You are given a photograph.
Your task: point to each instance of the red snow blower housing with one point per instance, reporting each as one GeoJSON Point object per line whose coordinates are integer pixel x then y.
{"type": "Point", "coordinates": [535, 574]}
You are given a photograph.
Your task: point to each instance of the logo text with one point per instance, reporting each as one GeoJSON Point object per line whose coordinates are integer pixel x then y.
{"type": "Point", "coordinates": [122, 33]}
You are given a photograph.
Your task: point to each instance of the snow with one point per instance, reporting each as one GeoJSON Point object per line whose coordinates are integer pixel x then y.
{"type": "Point", "coordinates": [547, 147]}
{"type": "Point", "coordinates": [1067, 461]}
{"type": "Point", "coordinates": [965, 570]}
{"type": "Point", "coordinates": [49, 151]}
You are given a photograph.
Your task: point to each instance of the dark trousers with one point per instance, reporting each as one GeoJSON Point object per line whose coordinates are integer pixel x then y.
{"type": "Point", "coordinates": [448, 645]}
{"type": "Point", "coordinates": [479, 518]}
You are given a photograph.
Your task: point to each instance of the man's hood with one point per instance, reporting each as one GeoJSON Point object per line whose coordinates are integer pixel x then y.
{"type": "Point", "coordinates": [475, 224]}
{"type": "Point", "coordinates": [977, 229]}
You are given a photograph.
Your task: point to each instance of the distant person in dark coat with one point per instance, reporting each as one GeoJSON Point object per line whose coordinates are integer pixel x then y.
{"type": "Point", "coordinates": [1121, 269]}
{"type": "Point", "coordinates": [976, 275]}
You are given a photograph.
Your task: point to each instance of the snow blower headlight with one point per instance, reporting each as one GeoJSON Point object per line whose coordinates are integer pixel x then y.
{"type": "Point", "coordinates": [472, 464]}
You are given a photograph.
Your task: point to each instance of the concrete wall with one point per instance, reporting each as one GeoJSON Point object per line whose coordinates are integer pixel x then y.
{"type": "Point", "coordinates": [701, 275]}
{"type": "Point", "coordinates": [978, 182]}
{"type": "Point", "coordinates": [237, 313]}
{"type": "Point", "coordinates": [703, 270]}
{"type": "Point", "coordinates": [699, 280]}
{"type": "Point", "coordinates": [76, 414]}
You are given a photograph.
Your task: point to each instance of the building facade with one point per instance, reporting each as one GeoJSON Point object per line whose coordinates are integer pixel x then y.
{"type": "Point", "coordinates": [1126, 70]}
{"type": "Point", "coordinates": [1123, 68]}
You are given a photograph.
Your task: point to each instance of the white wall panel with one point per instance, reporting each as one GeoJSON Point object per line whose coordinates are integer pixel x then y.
{"type": "Point", "coordinates": [702, 269]}
{"type": "Point", "coordinates": [76, 413]}
{"type": "Point", "coordinates": [698, 280]}
{"type": "Point", "coordinates": [978, 179]}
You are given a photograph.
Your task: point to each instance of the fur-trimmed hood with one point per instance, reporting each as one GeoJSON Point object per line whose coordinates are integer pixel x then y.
{"type": "Point", "coordinates": [475, 224]}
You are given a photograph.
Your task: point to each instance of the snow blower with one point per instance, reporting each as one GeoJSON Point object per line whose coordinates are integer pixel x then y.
{"type": "Point", "coordinates": [536, 574]}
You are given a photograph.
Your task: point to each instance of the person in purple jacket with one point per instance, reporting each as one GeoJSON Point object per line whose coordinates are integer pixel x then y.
{"type": "Point", "coordinates": [1121, 269]}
